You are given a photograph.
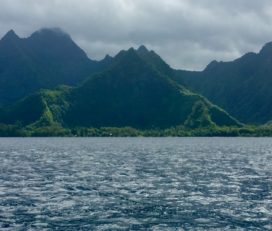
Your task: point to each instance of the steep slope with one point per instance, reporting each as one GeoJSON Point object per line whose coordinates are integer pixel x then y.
{"type": "Point", "coordinates": [131, 93]}
{"type": "Point", "coordinates": [43, 108]}
{"type": "Point", "coordinates": [47, 58]}
{"type": "Point", "coordinates": [242, 87]}
{"type": "Point", "coordinates": [153, 59]}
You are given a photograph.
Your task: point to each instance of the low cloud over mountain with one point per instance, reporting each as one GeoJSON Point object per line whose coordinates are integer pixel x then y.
{"type": "Point", "coordinates": [189, 34]}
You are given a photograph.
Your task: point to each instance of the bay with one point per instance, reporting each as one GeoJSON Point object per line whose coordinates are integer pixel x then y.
{"type": "Point", "coordinates": [136, 184]}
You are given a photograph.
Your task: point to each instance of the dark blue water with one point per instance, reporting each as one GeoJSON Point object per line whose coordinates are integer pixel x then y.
{"type": "Point", "coordinates": [136, 184]}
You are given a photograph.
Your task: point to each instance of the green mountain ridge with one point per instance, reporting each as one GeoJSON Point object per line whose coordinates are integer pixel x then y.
{"type": "Point", "coordinates": [46, 59]}
{"type": "Point", "coordinates": [242, 87]}
{"type": "Point", "coordinates": [132, 92]}
{"type": "Point", "coordinates": [47, 82]}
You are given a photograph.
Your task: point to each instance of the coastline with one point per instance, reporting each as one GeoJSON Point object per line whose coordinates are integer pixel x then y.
{"type": "Point", "coordinates": [180, 131]}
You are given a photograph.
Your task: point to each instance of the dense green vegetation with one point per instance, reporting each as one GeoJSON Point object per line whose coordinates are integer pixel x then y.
{"type": "Point", "coordinates": [241, 87]}
{"type": "Point", "coordinates": [180, 131]}
{"type": "Point", "coordinates": [131, 93]}
{"type": "Point", "coordinates": [46, 59]}
{"type": "Point", "coordinates": [59, 91]}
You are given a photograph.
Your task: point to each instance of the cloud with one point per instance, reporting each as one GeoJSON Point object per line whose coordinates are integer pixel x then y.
{"type": "Point", "coordinates": [188, 34]}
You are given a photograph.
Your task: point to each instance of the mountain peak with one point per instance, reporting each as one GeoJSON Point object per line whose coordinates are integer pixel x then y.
{"type": "Point", "coordinates": [211, 65]}
{"type": "Point", "coordinates": [10, 35]}
{"type": "Point", "coordinates": [107, 57]}
{"type": "Point", "coordinates": [267, 49]}
{"type": "Point", "coordinates": [125, 53]}
{"type": "Point", "coordinates": [50, 33]}
{"type": "Point", "coordinates": [142, 49]}
{"type": "Point", "coordinates": [54, 30]}
{"type": "Point", "coordinates": [131, 50]}
{"type": "Point", "coordinates": [58, 41]}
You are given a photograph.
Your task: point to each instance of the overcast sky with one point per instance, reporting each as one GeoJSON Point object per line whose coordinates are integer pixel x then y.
{"type": "Point", "coordinates": [188, 34]}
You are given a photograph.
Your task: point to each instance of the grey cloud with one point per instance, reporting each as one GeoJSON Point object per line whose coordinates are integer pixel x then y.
{"type": "Point", "coordinates": [188, 34]}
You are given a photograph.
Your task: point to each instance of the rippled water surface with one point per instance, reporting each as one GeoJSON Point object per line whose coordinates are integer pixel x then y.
{"type": "Point", "coordinates": [136, 184]}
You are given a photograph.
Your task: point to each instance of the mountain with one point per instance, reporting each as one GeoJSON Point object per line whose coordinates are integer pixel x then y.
{"type": "Point", "coordinates": [46, 59]}
{"type": "Point", "coordinates": [242, 87]}
{"type": "Point", "coordinates": [132, 92]}
{"type": "Point", "coordinates": [153, 59]}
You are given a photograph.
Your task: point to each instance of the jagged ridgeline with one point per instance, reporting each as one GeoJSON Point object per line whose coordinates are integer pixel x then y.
{"type": "Point", "coordinates": [136, 90]}
{"type": "Point", "coordinates": [242, 87]}
{"type": "Point", "coordinates": [46, 59]}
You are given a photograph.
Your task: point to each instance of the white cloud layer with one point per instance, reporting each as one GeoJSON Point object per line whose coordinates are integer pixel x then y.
{"type": "Point", "coordinates": [188, 34]}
